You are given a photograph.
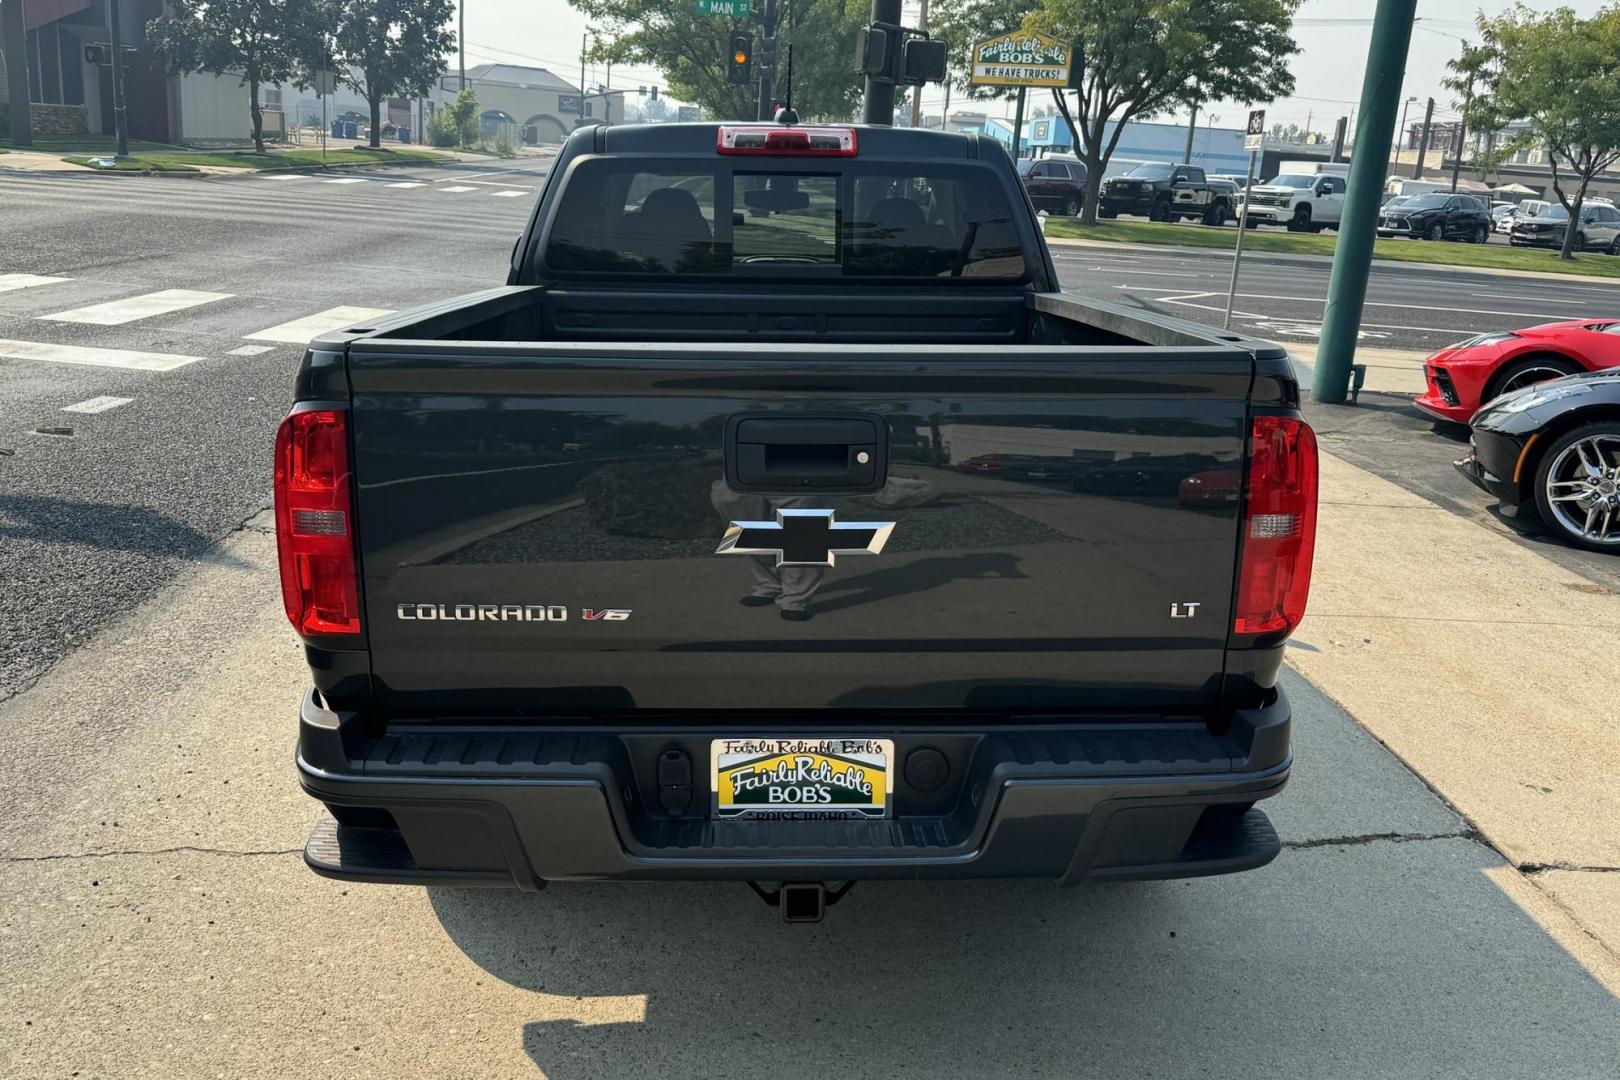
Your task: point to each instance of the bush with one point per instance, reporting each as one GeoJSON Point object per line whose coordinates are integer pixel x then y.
{"type": "Point", "coordinates": [464, 114]}
{"type": "Point", "coordinates": [441, 130]}
{"type": "Point", "coordinates": [505, 144]}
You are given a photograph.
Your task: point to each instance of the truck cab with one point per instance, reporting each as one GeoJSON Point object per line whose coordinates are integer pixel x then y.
{"type": "Point", "coordinates": [1304, 198]}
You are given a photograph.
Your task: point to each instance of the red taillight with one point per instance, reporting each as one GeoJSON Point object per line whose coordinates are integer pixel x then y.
{"type": "Point", "coordinates": [314, 526]}
{"type": "Point", "coordinates": [1279, 527]}
{"type": "Point", "coordinates": [785, 141]}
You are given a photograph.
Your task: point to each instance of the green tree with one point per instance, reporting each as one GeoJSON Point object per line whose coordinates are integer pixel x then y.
{"type": "Point", "coordinates": [260, 40]}
{"type": "Point", "coordinates": [1154, 55]}
{"type": "Point", "coordinates": [463, 117]}
{"type": "Point", "coordinates": [690, 50]}
{"type": "Point", "coordinates": [397, 47]}
{"type": "Point", "coordinates": [1559, 75]}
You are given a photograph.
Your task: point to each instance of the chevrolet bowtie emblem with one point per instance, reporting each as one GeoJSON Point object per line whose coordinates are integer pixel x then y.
{"type": "Point", "coordinates": [805, 538]}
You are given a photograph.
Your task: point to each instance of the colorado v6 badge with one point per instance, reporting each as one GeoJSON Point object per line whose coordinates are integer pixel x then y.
{"type": "Point", "coordinates": [805, 538]}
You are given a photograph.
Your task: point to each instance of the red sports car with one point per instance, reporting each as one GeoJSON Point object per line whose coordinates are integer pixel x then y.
{"type": "Point", "coordinates": [1464, 376]}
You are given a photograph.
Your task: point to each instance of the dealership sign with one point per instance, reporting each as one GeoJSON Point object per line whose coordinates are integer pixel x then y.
{"type": "Point", "coordinates": [1021, 58]}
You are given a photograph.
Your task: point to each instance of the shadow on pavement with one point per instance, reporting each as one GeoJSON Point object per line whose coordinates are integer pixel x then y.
{"type": "Point", "coordinates": [1337, 962]}
{"type": "Point", "coordinates": [107, 526]}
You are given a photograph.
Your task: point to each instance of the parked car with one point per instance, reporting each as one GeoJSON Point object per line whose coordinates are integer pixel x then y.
{"type": "Point", "coordinates": [1555, 446]}
{"type": "Point", "coordinates": [1464, 376]}
{"type": "Point", "coordinates": [1598, 230]}
{"type": "Point", "coordinates": [629, 684]}
{"type": "Point", "coordinates": [1502, 218]}
{"type": "Point", "coordinates": [1160, 191]}
{"type": "Point", "coordinates": [1302, 201]}
{"type": "Point", "coordinates": [1058, 187]}
{"type": "Point", "coordinates": [1437, 217]}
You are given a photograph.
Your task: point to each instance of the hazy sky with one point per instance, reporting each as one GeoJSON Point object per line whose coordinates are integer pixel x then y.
{"type": "Point", "coordinates": [1332, 33]}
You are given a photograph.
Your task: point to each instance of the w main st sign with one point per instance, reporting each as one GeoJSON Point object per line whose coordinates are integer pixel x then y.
{"type": "Point", "coordinates": [1021, 58]}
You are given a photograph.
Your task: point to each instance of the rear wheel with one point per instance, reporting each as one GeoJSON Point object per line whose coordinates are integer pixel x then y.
{"type": "Point", "coordinates": [1578, 486]}
{"type": "Point", "coordinates": [1437, 232]}
{"type": "Point", "coordinates": [1614, 248]}
{"type": "Point", "coordinates": [1110, 214]}
{"type": "Point", "coordinates": [1217, 213]}
{"type": "Point", "coordinates": [1482, 234]}
{"type": "Point", "coordinates": [1524, 372]}
{"type": "Point", "coordinates": [1071, 206]}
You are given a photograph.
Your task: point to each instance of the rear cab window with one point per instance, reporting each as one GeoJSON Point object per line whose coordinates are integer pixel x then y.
{"type": "Point", "coordinates": [792, 218]}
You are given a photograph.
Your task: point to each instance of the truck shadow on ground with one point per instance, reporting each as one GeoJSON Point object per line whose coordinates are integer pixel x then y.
{"type": "Point", "coordinates": [1282, 972]}
{"type": "Point", "coordinates": [108, 526]}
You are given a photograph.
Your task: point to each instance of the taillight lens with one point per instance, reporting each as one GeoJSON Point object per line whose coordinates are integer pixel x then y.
{"type": "Point", "coordinates": [1279, 527]}
{"type": "Point", "coordinates": [314, 523]}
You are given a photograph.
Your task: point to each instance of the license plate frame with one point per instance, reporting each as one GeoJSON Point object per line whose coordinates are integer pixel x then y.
{"type": "Point", "coordinates": [845, 778]}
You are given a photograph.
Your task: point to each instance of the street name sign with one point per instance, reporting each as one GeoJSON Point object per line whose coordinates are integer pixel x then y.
{"type": "Point", "coordinates": [1021, 58]}
{"type": "Point", "coordinates": [737, 9]}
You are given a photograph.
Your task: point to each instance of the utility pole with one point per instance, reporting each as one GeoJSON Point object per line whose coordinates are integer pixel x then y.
{"type": "Point", "coordinates": [1352, 256]}
{"type": "Point", "coordinates": [767, 62]}
{"type": "Point", "coordinates": [916, 91]}
{"type": "Point", "coordinates": [1462, 133]}
{"type": "Point", "coordinates": [16, 49]}
{"type": "Point", "coordinates": [461, 39]}
{"type": "Point", "coordinates": [1401, 134]}
{"type": "Point", "coordinates": [945, 117]}
{"type": "Point", "coordinates": [584, 44]}
{"type": "Point", "coordinates": [1192, 129]}
{"type": "Point", "coordinates": [1423, 143]}
{"type": "Point", "coordinates": [879, 106]}
{"type": "Point", "coordinates": [120, 113]}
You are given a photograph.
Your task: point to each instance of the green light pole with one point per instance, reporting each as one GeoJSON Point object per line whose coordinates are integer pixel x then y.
{"type": "Point", "coordinates": [1352, 256]}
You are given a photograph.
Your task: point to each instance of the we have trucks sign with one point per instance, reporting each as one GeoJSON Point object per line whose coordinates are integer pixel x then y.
{"type": "Point", "coordinates": [1021, 58]}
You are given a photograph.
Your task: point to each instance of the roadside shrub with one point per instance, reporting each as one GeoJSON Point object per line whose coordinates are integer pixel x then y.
{"type": "Point", "coordinates": [441, 130]}
{"type": "Point", "coordinates": [505, 144]}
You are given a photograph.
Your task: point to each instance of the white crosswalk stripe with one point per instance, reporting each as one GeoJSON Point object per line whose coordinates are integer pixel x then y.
{"type": "Point", "coordinates": [251, 350]}
{"type": "Point", "coordinates": [13, 282]}
{"type": "Point", "coordinates": [345, 180]}
{"type": "Point", "coordinates": [458, 188]}
{"type": "Point", "coordinates": [407, 184]}
{"type": "Point", "coordinates": [284, 176]}
{"type": "Point", "coordinates": [509, 194]}
{"type": "Point", "coordinates": [131, 308]}
{"type": "Point", "coordinates": [128, 359]}
{"type": "Point", "coordinates": [97, 405]}
{"type": "Point", "coordinates": [299, 331]}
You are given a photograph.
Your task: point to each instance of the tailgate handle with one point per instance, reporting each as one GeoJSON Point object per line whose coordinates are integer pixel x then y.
{"type": "Point", "coordinates": [792, 453]}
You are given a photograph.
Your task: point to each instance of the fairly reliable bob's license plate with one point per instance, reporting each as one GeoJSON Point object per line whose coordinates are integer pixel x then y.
{"type": "Point", "coordinates": [801, 779]}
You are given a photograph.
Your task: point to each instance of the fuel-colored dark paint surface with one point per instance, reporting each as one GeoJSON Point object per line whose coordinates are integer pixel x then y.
{"type": "Point", "coordinates": [1048, 550]}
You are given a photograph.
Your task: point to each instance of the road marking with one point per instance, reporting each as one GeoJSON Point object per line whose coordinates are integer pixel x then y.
{"type": "Point", "coordinates": [502, 194]}
{"type": "Point", "coordinates": [299, 331]}
{"type": "Point", "coordinates": [97, 405]}
{"type": "Point", "coordinates": [345, 180]}
{"type": "Point", "coordinates": [93, 357]}
{"type": "Point", "coordinates": [1147, 273]}
{"type": "Point", "coordinates": [284, 176]}
{"type": "Point", "coordinates": [251, 350]}
{"type": "Point", "coordinates": [117, 312]}
{"type": "Point", "coordinates": [13, 282]}
{"type": "Point", "coordinates": [1532, 299]}
{"type": "Point", "coordinates": [458, 188]}
{"type": "Point", "coordinates": [407, 183]}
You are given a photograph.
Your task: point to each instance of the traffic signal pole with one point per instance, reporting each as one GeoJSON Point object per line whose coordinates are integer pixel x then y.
{"type": "Point", "coordinates": [767, 61]}
{"type": "Point", "coordinates": [120, 113]}
{"type": "Point", "coordinates": [16, 49]}
{"type": "Point", "coordinates": [879, 106]}
{"type": "Point", "coordinates": [1352, 256]}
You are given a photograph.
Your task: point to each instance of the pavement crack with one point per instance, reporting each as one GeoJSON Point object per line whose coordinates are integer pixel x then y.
{"type": "Point", "coordinates": [1383, 837]}
{"type": "Point", "coordinates": [182, 850]}
{"type": "Point", "coordinates": [1534, 868]}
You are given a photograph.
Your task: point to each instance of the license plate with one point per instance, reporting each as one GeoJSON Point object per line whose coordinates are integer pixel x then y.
{"type": "Point", "coordinates": [812, 779]}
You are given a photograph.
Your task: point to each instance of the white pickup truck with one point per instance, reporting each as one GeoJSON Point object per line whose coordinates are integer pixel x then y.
{"type": "Point", "coordinates": [1304, 196]}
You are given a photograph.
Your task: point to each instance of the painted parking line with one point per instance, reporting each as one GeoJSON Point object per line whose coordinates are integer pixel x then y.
{"type": "Point", "coordinates": [346, 180]}
{"type": "Point", "coordinates": [458, 188]}
{"type": "Point", "coordinates": [131, 308]}
{"type": "Point", "coordinates": [13, 282]}
{"type": "Point", "coordinates": [251, 350]}
{"type": "Point", "coordinates": [97, 405]}
{"type": "Point", "coordinates": [299, 331]}
{"type": "Point", "coordinates": [127, 359]}
{"type": "Point", "coordinates": [505, 194]}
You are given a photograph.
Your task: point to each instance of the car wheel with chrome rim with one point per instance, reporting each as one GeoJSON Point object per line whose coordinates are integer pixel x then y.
{"type": "Point", "coordinates": [1578, 486]}
{"type": "Point", "coordinates": [1523, 372]}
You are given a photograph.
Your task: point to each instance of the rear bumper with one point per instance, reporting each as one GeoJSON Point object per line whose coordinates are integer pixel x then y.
{"type": "Point", "coordinates": [516, 807]}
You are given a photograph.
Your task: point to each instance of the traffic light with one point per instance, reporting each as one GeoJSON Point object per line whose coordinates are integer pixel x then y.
{"type": "Point", "coordinates": [740, 58]}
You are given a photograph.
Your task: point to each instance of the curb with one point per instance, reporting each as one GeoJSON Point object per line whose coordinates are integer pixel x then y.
{"type": "Point", "coordinates": [1320, 260]}
{"type": "Point", "coordinates": [201, 171]}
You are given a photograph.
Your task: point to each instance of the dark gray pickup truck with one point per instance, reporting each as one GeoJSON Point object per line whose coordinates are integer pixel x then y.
{"type": "Point", "coordinates": [781, 521]}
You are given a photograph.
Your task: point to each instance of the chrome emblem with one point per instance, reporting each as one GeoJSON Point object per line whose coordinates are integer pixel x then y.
{"type": "Point", "coordinates": [805, 538]}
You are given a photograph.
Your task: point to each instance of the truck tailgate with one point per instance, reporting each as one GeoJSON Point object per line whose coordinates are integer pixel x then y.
{"type": "Point", "coordinates": [540, 524]}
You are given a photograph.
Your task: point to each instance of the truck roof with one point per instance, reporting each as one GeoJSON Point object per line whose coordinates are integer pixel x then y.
{"type": "Point", "coordinates": [872, 141]}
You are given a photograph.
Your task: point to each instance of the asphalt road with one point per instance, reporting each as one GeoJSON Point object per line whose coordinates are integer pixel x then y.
{"type": "Point", "coordinates": [95, 515]}
{"type": "Point", "coordinates": [1408, 307]}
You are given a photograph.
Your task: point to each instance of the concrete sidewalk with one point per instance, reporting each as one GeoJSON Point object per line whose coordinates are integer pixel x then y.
{"type": "Point", "coordinates": [1486, 667]}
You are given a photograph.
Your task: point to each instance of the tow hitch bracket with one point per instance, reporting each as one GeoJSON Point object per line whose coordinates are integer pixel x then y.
{"type": "Point", "coordinates": [802, 901]}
